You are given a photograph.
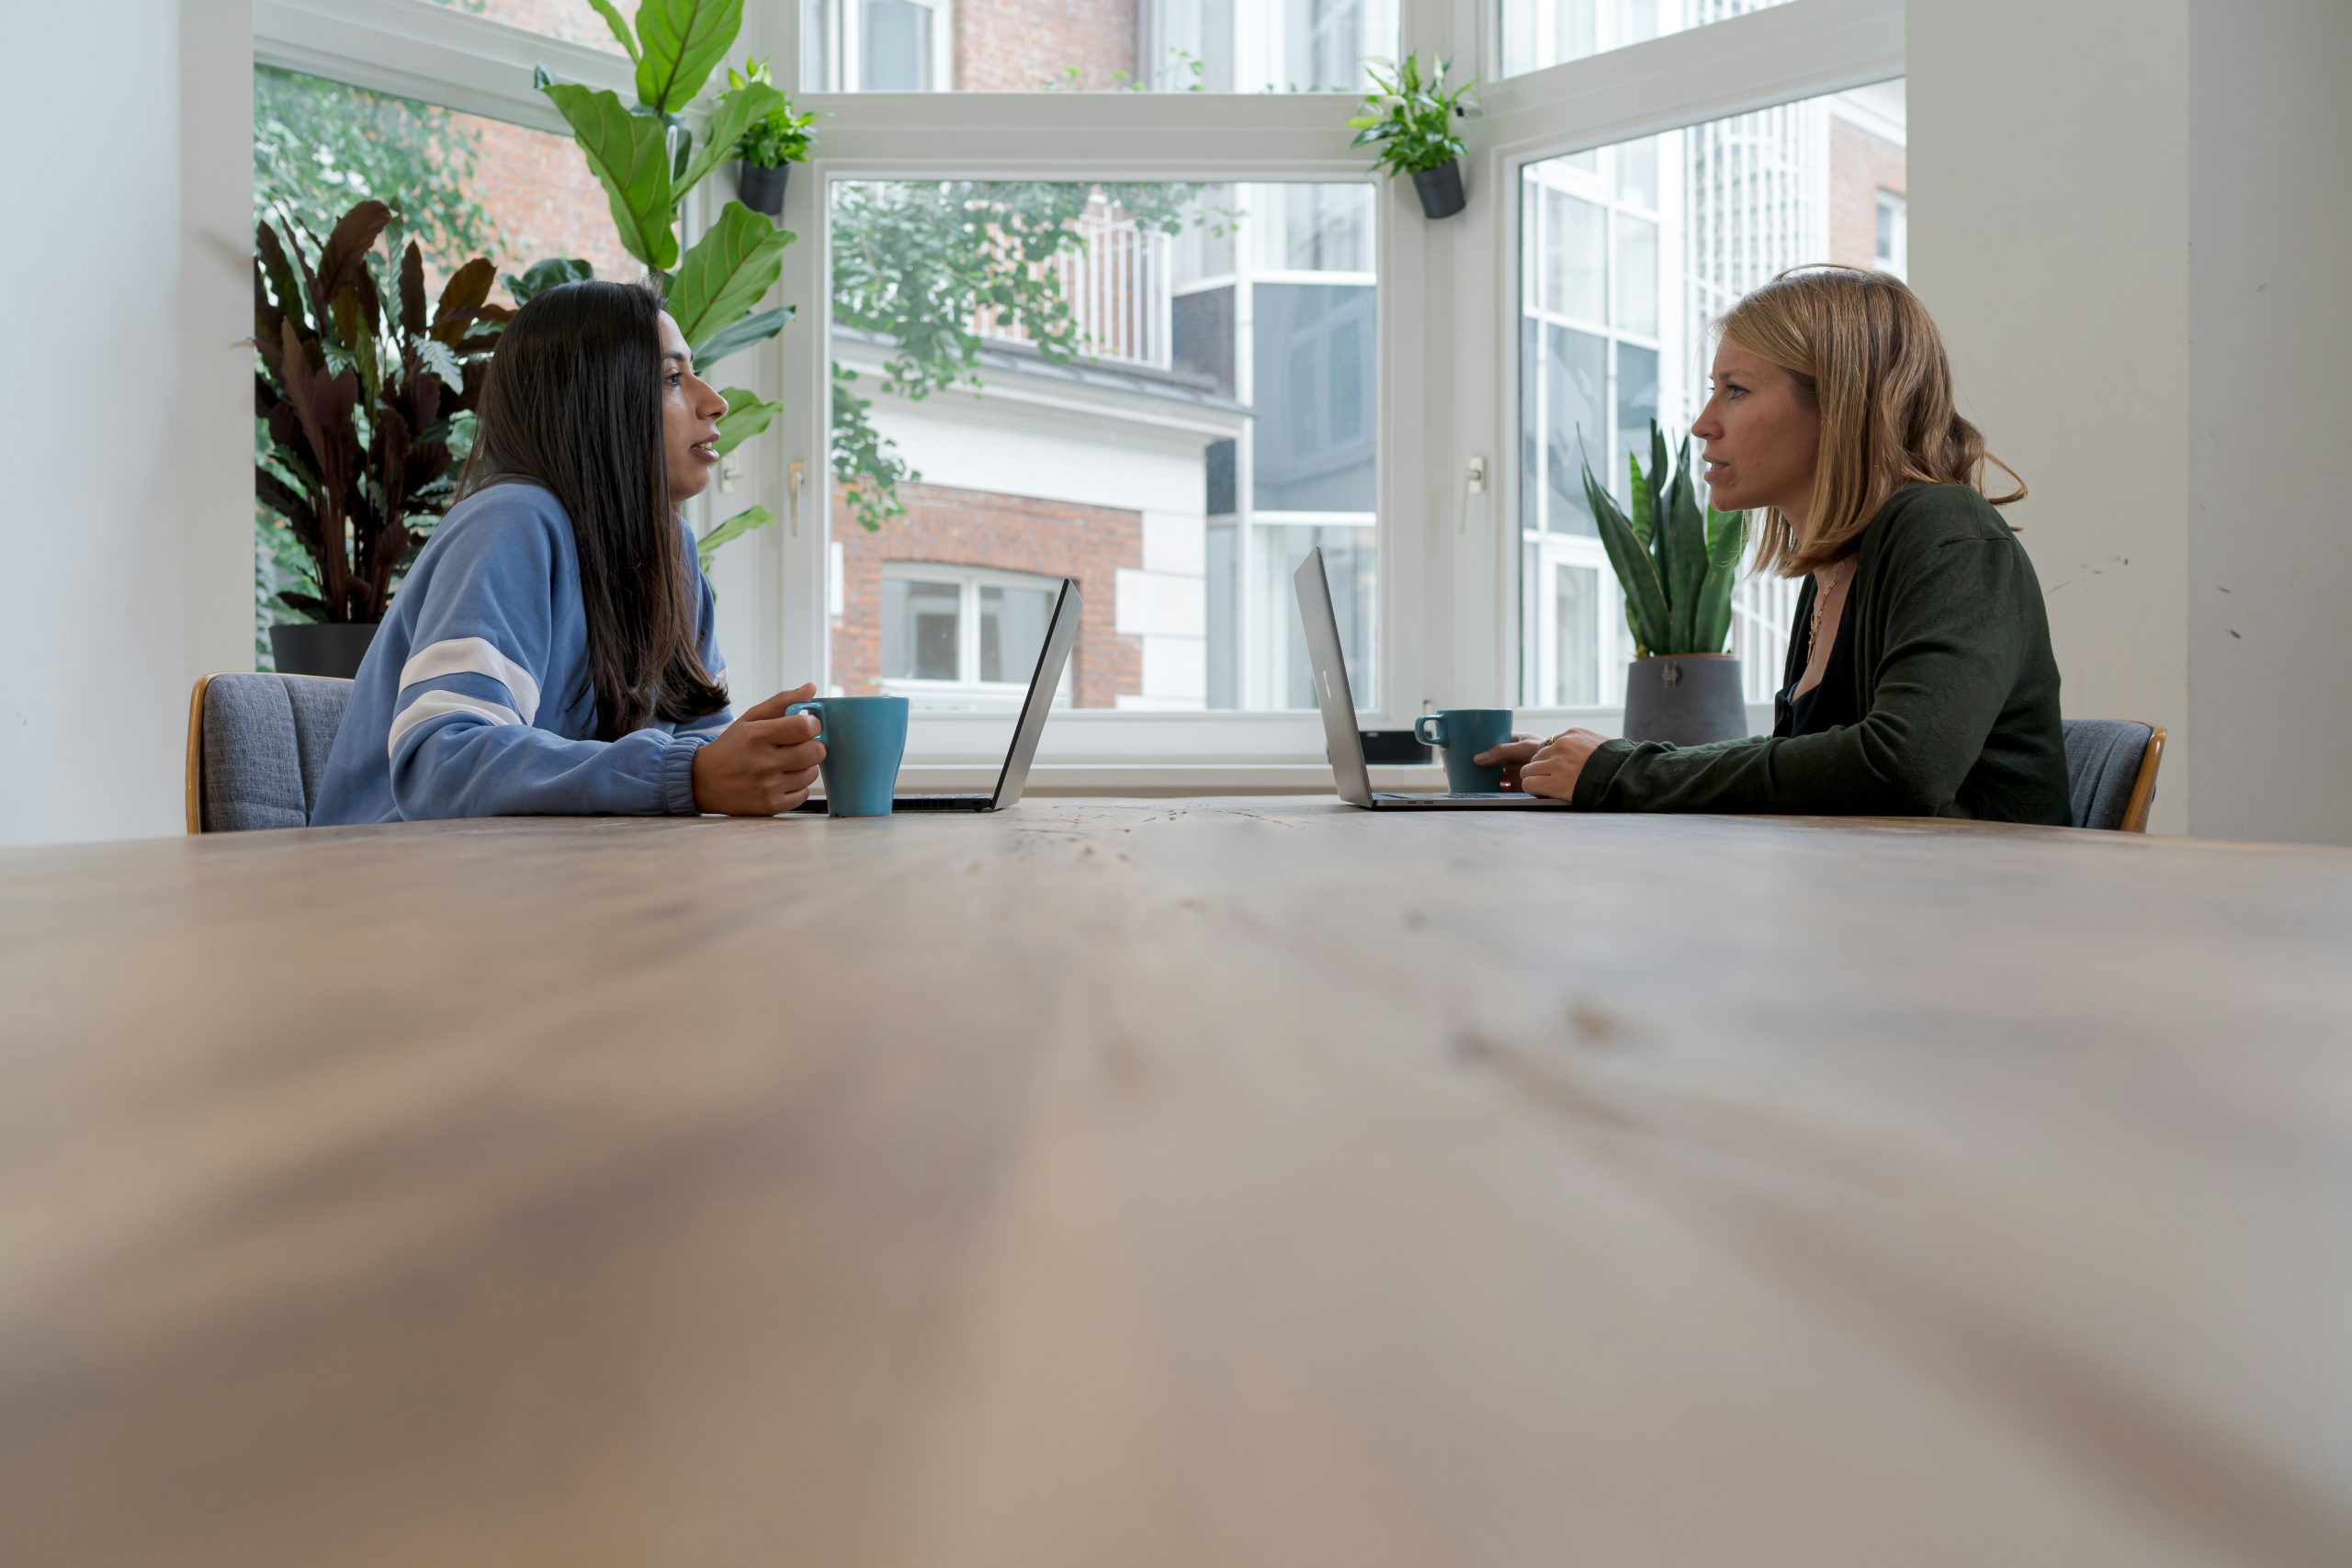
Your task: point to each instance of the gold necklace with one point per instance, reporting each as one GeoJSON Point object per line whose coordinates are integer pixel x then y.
{"type": "Point", "coordinates": [1820, 597]}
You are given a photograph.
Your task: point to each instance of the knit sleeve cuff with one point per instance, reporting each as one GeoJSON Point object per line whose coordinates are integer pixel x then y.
{"type": "Point", "coordinates": [678, 775]}
{"type": "Point", "coordinates": [1593, 778]}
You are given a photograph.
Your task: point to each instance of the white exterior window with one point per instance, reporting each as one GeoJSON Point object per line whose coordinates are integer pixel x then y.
{"type": "Point", "coordinates": [1315, 364]}
{"type": "Point", "coordinates": [884, 46]}
{"type": "Point", "coordinates": [962, 637]}
{"type": "Point", "coordinates": [1894, 235]}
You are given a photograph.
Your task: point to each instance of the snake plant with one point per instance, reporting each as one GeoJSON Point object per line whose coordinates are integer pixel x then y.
{"type": "Point", "coordinates": [1677, 561]}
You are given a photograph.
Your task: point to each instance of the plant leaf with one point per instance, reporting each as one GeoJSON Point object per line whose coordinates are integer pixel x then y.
{"type": "Point", "coordinates": [1633, 566]}
{"type": "Point", "coordinates": [270, 254]}
{"type": "Point", "coordinates": [345, 261]}
{"type": "Point", "coordinates": [735, 528]}
{"type": "Point", "coordinates": [1689, 530]}
{"type": "Point", "coordinates": [620, 28]}
{"type": "Point", "coordinates": [746, 416]}
{"type": "Point", "coordinates": [738, 259]}
{"type": "Point", "coordinates": [542, 276]}
{"type": "Point", "coordinates": [682, 42]}
{"type": "Point", "coordinates": [1727, 543]}
{"type": "Point", "coordinates": [442, 360]}
{"type": "Point", "coordinates": [413, 320]}
{"type": "Point", "coordinates": [757, 328]}
{"type": "Point", "coordinates": [467, 287]}
{"type": "Point", "coordinates": [629, 154]}
{"type": "Point", "coordinates": [737, 109]}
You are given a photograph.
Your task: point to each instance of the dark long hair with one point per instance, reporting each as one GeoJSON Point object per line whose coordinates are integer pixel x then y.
{"type": "Point", "coordinates": [573, 403]}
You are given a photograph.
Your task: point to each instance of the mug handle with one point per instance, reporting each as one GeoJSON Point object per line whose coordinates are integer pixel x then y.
{"type": "Point", "coordinates": [1437, 735]}
{"type": "Point", "coordinates": [816, 706]}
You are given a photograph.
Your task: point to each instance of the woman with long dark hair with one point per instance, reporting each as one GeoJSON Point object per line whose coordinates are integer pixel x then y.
{"type": "Point", "coordinates": [1920, 678]}
{"type": "Point", "coordinates": [552, 650]}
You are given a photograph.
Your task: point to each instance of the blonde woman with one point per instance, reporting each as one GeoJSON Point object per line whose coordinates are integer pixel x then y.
{"type": "Point", "coordinates": [1920, 680]}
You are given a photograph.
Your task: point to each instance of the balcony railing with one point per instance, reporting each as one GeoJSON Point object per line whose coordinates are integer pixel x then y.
{"type": "Point", "coordinates": [1117, 286]}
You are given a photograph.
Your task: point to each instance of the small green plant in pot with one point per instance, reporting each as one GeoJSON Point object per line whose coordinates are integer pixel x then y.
{"type": "Point", "coordinates": [775, 141]}
{"type": "Point", "coordinates": [1410, 117]}
{"type": "Point", "coordinates": [1678, 563]}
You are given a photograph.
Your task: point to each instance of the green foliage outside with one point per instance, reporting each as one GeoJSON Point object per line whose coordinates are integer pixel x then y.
{"type": "Point", "coordinates": [1409, 116]}
{"type": "Point", "coordinates": [1677, 564]}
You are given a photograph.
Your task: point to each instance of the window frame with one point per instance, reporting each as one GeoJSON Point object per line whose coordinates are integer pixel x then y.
{"type": "Point", "coordinates": [968, 581]}
{"type": "Point", "coordinates": [1445, 368]}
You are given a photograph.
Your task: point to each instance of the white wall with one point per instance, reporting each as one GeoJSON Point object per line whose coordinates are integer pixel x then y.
{"type": "Point", "coordinates": [126, 427]}
{"type": "Point", "coordinates": [2050, 238]}
{"type": "Point", "coordinates": [2270, 406]}
{"type": "Point", "coordinates": [2131, 218]}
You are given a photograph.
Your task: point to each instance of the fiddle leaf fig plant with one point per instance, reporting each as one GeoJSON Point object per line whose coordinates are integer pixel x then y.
{"type": "Point", "coordinates": [648, 157]}
{"type": "Point", "coordinates": [1677, 561]}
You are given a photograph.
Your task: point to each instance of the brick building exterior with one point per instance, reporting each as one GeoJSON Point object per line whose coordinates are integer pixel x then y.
{"type": "Point", "coordinates": [1861, 164]}
{"type": "Point", "coordinates": [1023, 46]}
{"type": "Point", "coordinates": [1046, 538]}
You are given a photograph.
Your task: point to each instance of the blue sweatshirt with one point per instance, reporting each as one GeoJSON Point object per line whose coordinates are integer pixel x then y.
{"type": "Point", "coordinates": [475, 700]}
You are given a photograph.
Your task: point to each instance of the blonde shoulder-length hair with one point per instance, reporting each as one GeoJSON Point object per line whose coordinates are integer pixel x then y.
{"type": "Point", "coordinates": [1865, 354]}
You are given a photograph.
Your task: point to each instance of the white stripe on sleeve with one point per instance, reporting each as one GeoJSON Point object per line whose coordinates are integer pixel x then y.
{"type": "Point", "coordinates": [473, 655]}
{"type": "Point", "coordinates": [434, 705]}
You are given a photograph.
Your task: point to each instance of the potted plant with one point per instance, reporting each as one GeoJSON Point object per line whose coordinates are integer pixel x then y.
{"type": "Point", "coordinates": [648, 156]}
{"type": "Point", "coordinates": [358, 399]}
{"type": "Point", "coordinates": [775, 141]}
{"type": "Point", "coordinates": [1678, 565]}
{"type": "Point", "coordinates": [1410, 118]}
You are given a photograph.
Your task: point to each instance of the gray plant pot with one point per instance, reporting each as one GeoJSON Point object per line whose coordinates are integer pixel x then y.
{"type": "Point", "coordinates": [1685, 699]}
{"type": "Point", "coordinates": [322, 649]}
{"type": "Point", "coordinates": [1440, 190]}
{"type": "Point", "coordinates": [762, 189]}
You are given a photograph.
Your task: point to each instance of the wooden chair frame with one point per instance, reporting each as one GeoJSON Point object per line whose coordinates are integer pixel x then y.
{"type": "Point", "coordinates": [195, 787]}
{"type": "Point", "coordinates": [2143, 788]}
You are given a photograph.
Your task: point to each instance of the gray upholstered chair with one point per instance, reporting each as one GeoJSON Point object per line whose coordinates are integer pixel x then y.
{"type": "Point", "coordinates": [257, 748]}
{"type": "Point", "coordinates": [2111, 771]}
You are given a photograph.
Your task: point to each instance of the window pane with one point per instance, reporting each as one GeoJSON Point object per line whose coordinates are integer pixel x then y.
{"type": "Point", "coordinates": [1576, 607]}
{"type": "Point", "coordinates": [1709, 213]}
{"type": "Point", "coordinates": [1029, 46]}
{"type": "Point", "coordinates": [920, 633]}
{"type": "Point", "coordinates": [1575, 250]}
{"type": "Point", "coordinates": [1012, 631]}
{"type": "Point", "coordinates": [572, 20]}
{"type": "Point", "coordinates": [1537, 33]}
{"type": "Point", "coordinates": [1576, 386]}
{"type": "Point", "coordinates": [1063, 410]}
{"type": "Point", "coordinates": [1636, 275]}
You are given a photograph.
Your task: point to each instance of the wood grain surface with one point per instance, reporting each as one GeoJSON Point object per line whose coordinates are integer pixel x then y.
{"type": "Point", "coordinates": [1176, 1183]}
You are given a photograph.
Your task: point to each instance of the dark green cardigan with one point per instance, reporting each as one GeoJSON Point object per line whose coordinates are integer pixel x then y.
{"type": "Point", "coordinates": [1953, 675]}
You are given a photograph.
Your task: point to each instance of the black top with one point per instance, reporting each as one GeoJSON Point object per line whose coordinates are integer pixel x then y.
{"type": "Point", "coordinates": [1831, 703]}
{"type": "Point", "coordinates": [1949, 698]}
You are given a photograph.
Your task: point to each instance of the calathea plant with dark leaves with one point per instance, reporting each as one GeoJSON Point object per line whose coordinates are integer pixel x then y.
{"type": "Point", "coordinates": [358, 398]}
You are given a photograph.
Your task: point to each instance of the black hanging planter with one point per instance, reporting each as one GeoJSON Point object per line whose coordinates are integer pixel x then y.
{"type": "Point", "coordinates": [1440, 189]}
{"type": "Point", "coordinates": [762, 189]}
{"type": "Point", "coordinates": [322, 648]}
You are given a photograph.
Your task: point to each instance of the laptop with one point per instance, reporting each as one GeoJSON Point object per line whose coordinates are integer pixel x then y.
{"type": "Point", "coordinates": [1339, 705]}
{"type": "Point", "coordinates": [1061, 632]}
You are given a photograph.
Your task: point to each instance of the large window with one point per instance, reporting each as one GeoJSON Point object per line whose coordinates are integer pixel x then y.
{"type": "Point", "coordinates": [1099, 289]}
{"type": "Point", "coordinates": [1628, 254]}
{"type": "Point", "coordinates": [1165, 391]}
{"type": "Point", "coordinates": [1537, 33]}
{"type": "Point", "coordinates": [1009, 45]}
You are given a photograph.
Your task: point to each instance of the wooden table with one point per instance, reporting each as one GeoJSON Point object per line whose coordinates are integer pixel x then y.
{"type": "Point", "coordinates": [1166, 1184]}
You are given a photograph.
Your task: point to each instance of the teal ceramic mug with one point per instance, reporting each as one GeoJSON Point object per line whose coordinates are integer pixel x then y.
{"type": "Point", "coordinates": [1462, 734]}
{"type": "Point", "coordinates": [865, 740]}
